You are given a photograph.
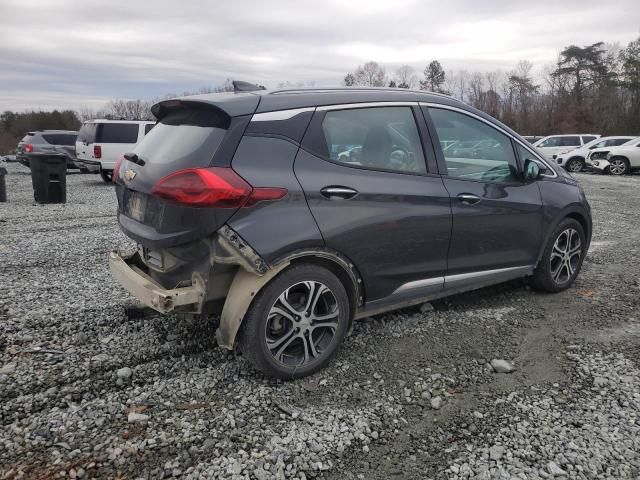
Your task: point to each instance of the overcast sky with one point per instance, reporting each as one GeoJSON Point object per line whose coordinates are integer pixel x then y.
{"type": "Point", "coordinates": [64, 53]}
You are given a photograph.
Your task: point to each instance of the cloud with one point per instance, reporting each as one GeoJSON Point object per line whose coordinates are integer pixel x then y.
{"type": "Point", "coordinates": [74, 53]}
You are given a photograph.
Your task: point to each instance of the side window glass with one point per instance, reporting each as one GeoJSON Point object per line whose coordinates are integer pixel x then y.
{"type": "Point", "coordinates": [551, 142]}
{"type": "Point", "coordinates": [569, 142]}
{"type": "Point", "coordinates": [474, 150]}
{"type": "Point", "coordinates": [383, 137]}
{"type": "Point", "coordinates": [588, 138]}
{"type": "Point", "coordinates": [119, 133]}
{"type": "Point", "coordinates": [148, 127]}
{"type": "Point", "coordinates": [525, 155]}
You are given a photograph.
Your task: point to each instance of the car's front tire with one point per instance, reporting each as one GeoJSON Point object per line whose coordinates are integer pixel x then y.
{"type": "Point", "coordinates": [562, 257]}
{"type": "Point", "coordinates": [296, 323]}
{"type": "Point", "coordinates": [575, 165]}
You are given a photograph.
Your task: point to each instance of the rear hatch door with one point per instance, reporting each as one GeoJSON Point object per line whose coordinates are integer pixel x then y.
{"type": "Point", "coordinates": [186, 138]}
{"type": "Point", "coordinates": [84, 141]}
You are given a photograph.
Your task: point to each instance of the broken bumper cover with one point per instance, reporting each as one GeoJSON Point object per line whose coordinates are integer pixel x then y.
{"type": "Point", "coordinates": [599, 164]}
{"type": "Point", "coordinates": [140, 285]}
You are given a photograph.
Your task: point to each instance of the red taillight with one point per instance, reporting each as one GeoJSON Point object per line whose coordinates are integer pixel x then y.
{"type": "Point", "coordinates": [218, 187]}
{"type": "Point", "coordinates": [28, 148]}
{"type": "Point", "coordinates": [97, 151]}
{"type": "Point", "coordinates": [115, 176]}
{"type": "Point", "coordinates": [204, 187]}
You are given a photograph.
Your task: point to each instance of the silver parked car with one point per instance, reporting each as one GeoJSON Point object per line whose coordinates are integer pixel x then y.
{"type": "Point", "coordinates": [50, 141]}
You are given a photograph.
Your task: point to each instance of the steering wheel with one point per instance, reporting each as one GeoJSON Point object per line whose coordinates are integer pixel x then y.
{"type": "Point", "coordinates": [407, 162]}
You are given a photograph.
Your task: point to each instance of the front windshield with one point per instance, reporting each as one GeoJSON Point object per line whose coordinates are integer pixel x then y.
{"type": "Point", "coordinates": [595, 143]}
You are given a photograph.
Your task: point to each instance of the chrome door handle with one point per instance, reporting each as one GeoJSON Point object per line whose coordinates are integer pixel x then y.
{"type": "Point", "coordinates": [342, 193]}
{"type": "Point", "coordinates": [469, 199]}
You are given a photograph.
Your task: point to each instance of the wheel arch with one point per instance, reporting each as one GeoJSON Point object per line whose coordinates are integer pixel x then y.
{"type": "Point", "coordinates": [574, 213]}
{"type": "Point", "coordinates": [246, 285]}
{"type": "Point", "coordinates": [341, 266]}
{"type": "Point", "coordinates": [622, 157]}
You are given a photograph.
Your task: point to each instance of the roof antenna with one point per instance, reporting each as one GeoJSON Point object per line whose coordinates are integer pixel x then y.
{"type": "Point", "coordinates": [239, 86]}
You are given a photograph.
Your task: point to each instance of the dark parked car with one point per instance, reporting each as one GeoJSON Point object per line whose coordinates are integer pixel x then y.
{"type": "Point", "coordinates": [242, 203]}
{"type": "Point", "coordinates": [50, 141]}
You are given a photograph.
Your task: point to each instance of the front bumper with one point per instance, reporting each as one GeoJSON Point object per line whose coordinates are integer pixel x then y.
{"type": "Point", "coordinates": [140, 285]}
{"type": "Point", "coordinates": [599, 165]}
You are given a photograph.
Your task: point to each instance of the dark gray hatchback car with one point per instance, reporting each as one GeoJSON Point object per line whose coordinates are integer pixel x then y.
{"type": "Point", "coordinates": [293, 212]}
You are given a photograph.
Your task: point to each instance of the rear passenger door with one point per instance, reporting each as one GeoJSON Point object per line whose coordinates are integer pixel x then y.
{"type": "Point", "coordinates": [374, 197]}
{"type": "Point", "coordinates": [497, 217]}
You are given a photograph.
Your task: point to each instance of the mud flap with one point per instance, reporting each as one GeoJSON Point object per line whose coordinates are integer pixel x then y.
{"type": "Point", "coordinates": [244, 288]}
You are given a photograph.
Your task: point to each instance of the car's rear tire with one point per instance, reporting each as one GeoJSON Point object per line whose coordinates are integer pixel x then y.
{"type": "Point", "coordinates": [296, 323]}
{"type": "Point", "coordinates": [106, 175]}
{"type": "Point", "coordinates": [562, 257]}
{"type": "Point", "coordinates": [575, 165]}
{"type": "Point", "coordinates": [618, 166]}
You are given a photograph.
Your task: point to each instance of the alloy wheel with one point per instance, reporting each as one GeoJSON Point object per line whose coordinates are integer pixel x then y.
{"type": "Point", "coordinates": [575, 166]}
{"type": "Point", "coordinates": [565, 255]}
{"type": "Point", "coordinates": [302, 323]}
{"type": "Point", "coordinates": [617, 166]}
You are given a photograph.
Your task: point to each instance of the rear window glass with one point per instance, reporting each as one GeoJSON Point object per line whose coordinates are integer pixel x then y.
{"type": "Point", "coordinates": [87, 133]}
{"type": "Point", "coordinates": [60, 138]}
{"type": "Point", "coordinates": [148, 127]}
{"type": "Point", "coordinates": [588, 138]}
{"type": "Point", "coordinates": [118, 133]}
{"type": "Point", "coordinates": [188, 137]}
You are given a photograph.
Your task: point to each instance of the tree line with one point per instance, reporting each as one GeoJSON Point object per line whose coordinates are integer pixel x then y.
{"type": "Point", "coordinates": [589, 89]}
{"type": "Point", "coordinates": [593, 88]}
{"type": "Point", "coordinates": [14, 125]}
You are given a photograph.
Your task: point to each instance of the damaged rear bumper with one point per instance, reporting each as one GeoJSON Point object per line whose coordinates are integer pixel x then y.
{"type": "Point", "coordinates": [184, 299]}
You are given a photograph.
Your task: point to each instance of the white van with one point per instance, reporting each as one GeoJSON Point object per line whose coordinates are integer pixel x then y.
{"type": "Point", "coordinates": [102, 142]}
{"type": "Point", "coordinates": [554, 144]}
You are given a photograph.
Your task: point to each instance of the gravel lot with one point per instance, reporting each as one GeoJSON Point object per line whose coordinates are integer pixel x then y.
{"type": "Point", "coordinates": [87, 393]}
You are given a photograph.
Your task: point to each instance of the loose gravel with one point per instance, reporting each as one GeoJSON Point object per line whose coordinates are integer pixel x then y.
{"type": "Point", "coordinates": [500, 383]}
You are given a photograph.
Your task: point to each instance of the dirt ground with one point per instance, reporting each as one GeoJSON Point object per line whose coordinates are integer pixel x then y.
{"type": "Point", "coordinates": [73, 368]}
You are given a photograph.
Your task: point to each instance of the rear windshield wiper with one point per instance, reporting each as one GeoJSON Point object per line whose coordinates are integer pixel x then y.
{"type": "Point", "coordinates": [132, 157]}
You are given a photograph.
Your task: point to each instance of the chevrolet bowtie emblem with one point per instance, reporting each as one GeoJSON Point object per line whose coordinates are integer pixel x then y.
{"type": "Point", "coordinates": [129, 175]}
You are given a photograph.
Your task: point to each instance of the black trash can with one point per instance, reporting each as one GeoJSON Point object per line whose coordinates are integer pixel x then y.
{"type": "Point", "coordinates": [3, 185]}
{"type": "Point", "coordinates": [49, 177]}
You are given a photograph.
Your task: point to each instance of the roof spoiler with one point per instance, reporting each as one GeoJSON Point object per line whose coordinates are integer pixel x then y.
{"type": "Point", "coordinates": [239, 86]}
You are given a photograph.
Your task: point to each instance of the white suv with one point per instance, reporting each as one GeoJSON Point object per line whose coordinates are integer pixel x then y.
{"type": "Point", "coordinates": [573, 159]}
{"type": "Point", "coordinates": [554, 144]}
{"type": "Point", "coordinates": [616, 160]}
{"type": "Point", "coordinates": [102, 142]}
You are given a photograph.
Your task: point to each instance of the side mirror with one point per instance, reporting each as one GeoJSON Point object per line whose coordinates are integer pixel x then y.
{"type": "Point", "coordinates": [532, 170]}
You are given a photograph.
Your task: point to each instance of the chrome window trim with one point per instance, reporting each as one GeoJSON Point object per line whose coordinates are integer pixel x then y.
{"type": "Point", "coordinates": [278, 115]}
{"type": "Point", "coordinates": [501, 130]}
{"type": "Point", "coordinates": [348, 106]}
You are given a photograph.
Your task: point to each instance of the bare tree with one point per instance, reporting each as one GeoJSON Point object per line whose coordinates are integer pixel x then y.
{"type": "Point", "coordinates": [405, 77]}
{"type": "Point", "coordinates": [371, 74]}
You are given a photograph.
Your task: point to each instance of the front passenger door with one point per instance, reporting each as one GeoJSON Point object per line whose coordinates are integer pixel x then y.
{"type": "Point", "coordinates": [497, 218]}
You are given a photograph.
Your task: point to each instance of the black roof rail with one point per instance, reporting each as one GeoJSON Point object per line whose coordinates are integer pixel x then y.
{"type": "Point", "coordinates": [239, 86]}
